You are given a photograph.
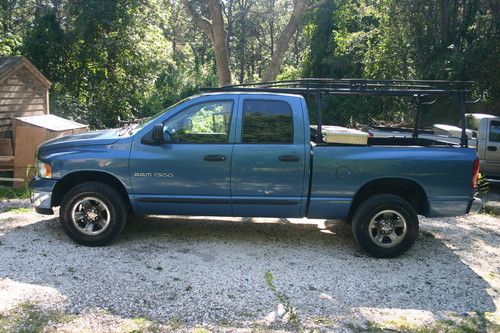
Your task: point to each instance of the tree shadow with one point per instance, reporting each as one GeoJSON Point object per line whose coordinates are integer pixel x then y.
{"type": "Point", "coordinates": [208, 269]}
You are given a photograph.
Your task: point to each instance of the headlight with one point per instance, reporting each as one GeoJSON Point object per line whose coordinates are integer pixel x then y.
{"type": "Point", "coordinates": [44, 170]}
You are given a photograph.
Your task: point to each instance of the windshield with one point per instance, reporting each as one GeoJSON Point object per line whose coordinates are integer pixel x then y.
{"type": "Point", "coordinates": [145, 122]}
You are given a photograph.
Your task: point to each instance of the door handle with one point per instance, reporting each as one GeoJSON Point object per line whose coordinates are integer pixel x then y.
{"type": "Point", "coordinates": [289, 158]}
{"type": "Point", "coordinates": [492, 148]}
{"type": "Point", "coordinates": [214, 158]}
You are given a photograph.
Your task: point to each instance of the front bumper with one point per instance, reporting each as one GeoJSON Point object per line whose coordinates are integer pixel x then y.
{"type": "Point", "coordinates": [41, 195]}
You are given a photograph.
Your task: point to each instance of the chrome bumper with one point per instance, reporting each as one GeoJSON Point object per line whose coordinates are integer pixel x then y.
{"type": "Point", "coordinates": [41, 201]}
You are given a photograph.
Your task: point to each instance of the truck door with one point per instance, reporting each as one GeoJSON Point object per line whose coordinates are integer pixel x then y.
{"type": "Point", "coordinates": [268, 165]}
{"type": "Point", "coordinates": [190, 174]}
{"type": "Point", "coordinates": [492, 154]}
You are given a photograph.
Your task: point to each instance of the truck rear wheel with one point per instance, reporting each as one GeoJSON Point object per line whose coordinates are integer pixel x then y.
{"type": "Point", "coordinates": [93, 214]}
{"type": "Point", "coordinates": [385, 226]}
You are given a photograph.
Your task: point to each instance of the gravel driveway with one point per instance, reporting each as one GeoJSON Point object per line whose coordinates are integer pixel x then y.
{"type": "Point", "coordinates": [198, 274]}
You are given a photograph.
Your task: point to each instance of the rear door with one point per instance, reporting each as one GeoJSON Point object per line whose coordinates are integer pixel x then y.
{"type": "Point", "coordinates": [268, 163]}
{"type": "Point", "coordinates": [492, 155]}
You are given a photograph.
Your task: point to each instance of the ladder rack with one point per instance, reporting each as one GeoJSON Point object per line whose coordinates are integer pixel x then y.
{"type": "Point", "coordinates": [419, 90]}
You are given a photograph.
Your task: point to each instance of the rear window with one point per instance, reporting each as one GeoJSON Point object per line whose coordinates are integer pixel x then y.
{"type": "Point", "coordinates": [267, 121]}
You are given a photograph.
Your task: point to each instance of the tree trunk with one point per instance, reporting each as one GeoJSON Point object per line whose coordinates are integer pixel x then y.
{"type": "Point", "coordinates": [244, 7]}
{"type": "Point", "coordinates": [274, 67]}
{"type": "Point", "coordinates": [219, 41]}
{"type": "Point", "coordinates": [229, 30]}
{"type": "Point", "coordinates": [216, 32]}
{"type": "Point", "coordinates": [444, 22]}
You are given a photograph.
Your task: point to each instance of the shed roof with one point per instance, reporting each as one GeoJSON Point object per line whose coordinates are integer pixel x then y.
{"type": "Point", "coordinates": [9, 65]}
{"type": "Point", "coordinates": [51, 122]}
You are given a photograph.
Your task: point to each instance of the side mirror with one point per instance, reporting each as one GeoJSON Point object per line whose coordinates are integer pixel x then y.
{"type": "Point", "coordinates": [157, 135]}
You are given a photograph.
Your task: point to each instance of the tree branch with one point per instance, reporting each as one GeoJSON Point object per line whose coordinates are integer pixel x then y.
{"type": "Point", "coordinates": [200, 20]}
{"type": "Point", "coordinates": [315, 5]}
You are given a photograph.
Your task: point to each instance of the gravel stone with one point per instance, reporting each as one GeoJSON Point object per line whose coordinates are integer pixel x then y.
{"type": "Point", "coordinates": [8, 204]}
{"type": "Point", "coordinates": [207, 271]}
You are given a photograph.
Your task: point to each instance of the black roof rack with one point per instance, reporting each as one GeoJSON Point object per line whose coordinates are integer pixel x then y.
{"type": "Point", "coordinates": [419, 90]}
{"type": "Point", "coordinates": [408, 88]}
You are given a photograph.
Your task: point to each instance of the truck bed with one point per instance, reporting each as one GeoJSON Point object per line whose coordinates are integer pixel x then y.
{"type": "Point", "coordinates": [339, 171]}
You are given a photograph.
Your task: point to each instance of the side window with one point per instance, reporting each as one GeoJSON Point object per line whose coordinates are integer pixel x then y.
{"type": "Point", "coordinates": [495, 131]}
{"type": "Point", "coordinates": [267, 121]}
{"type": "Point", "coordinates": [202, 123]}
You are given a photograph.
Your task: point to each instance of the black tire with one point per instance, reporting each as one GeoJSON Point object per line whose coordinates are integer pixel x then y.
{"type": "Point", "coordinates": [105, 203]}
{"type": "Point", "coordinates": [390, 210]}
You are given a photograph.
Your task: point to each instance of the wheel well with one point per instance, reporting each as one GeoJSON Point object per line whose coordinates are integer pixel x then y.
{"type": "Point", "coordinates": [73, 179]}
{"type": "Point", "coordinates": [408, 189]}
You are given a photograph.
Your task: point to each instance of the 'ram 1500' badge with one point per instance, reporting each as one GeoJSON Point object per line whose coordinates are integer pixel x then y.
{"type": "Point", "coordinates": [154, 174]}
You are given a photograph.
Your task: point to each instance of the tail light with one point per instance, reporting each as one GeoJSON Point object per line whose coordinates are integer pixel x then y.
{"type": "Point", "coordinates": [475, 173]}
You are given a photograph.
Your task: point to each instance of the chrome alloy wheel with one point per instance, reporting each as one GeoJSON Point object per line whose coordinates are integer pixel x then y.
{"type": "Point", "coordinates": [387, 228]}
{"type": "Point", "coordinates": [90, 216]}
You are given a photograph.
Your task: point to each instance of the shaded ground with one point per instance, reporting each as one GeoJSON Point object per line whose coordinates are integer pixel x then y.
{"type": "Point", "coordinates": [179, 273]}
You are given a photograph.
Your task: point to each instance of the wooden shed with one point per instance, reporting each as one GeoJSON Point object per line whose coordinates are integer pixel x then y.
{"type": "Point", "coordinates": [24, 91]}
{"type": "Point", "coordinates": [25, 121]}
{"type": "Point", "coordinates": [30, 132]}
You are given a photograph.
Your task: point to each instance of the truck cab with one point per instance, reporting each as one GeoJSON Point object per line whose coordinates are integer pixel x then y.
{"type": "Point", "coordinates": [487, 130]}
{"type": "Point", "coordinates": [224, 154]}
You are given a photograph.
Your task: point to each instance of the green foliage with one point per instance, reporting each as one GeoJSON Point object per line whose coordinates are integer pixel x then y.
{"type": "Point", "coordinates": [483, 185]}
{"type": "Point", "coordinates": [108, 60]}
{"type": "Point", "coordinates": [126, 59]}
{"type": "Point", "coordinates": [14, 193]}
{"type": "Point", "coordinates": [405, 40]}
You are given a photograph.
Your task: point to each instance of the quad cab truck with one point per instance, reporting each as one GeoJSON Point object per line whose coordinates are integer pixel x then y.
{"type": "Point", "coordinates": [250, 151]}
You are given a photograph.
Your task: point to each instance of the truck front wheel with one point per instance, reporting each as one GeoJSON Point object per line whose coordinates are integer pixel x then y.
{"type": "Point", "coordinates": [93, 214]}
{"type": "Point", "coordinates": [385, 226]}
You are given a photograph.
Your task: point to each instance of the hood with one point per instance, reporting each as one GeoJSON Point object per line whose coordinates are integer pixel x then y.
{"type": "Point", "coordinates": [104, 137]}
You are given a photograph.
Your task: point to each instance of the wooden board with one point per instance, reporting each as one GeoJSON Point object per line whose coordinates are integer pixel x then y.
{"type": "Point", "coordinates": [6, 147]}
{"type": "Point", "coordinates": [21, 94]}
{"type": "Point", "coordinates": [6, 159]}
{"type": "Point", "coordinates": [27, 140]}
{"type": "Point", "coordinates": [26, 143]}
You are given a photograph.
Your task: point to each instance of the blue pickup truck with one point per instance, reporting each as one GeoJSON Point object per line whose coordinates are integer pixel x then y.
{"type": "Point", "coordinates": [250, 153]}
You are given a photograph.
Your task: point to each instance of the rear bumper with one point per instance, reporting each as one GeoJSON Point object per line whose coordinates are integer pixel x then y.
{"type": "Point", "coordinates": [474, 206]}
{"type": "Point", "coordinates": [41, 195]}
{"type": "Point", "coordinates": [444, 208]}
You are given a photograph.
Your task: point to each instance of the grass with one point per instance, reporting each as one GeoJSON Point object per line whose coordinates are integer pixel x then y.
{"type": "Point", "coordinates": [175, 323]}
{"type": "Point", "coordinates": [323, 321]}
{"type": "Point", "coordinates": [476, 323]}
{"type": "Point", "coordinates": [144, 325]}
{"type": "Point", "coordinates": [201, 330]}
{"type": "Point", "coordinates": [282, 299]}
{"type": "Point", "coordinates": [291, 316]}
{"type": "Point", "coordinates": [14, 193]}
{"type": "Point", "coordinates": [20, 210]}
{"type": "Point", "coordinates": [28, 318]}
